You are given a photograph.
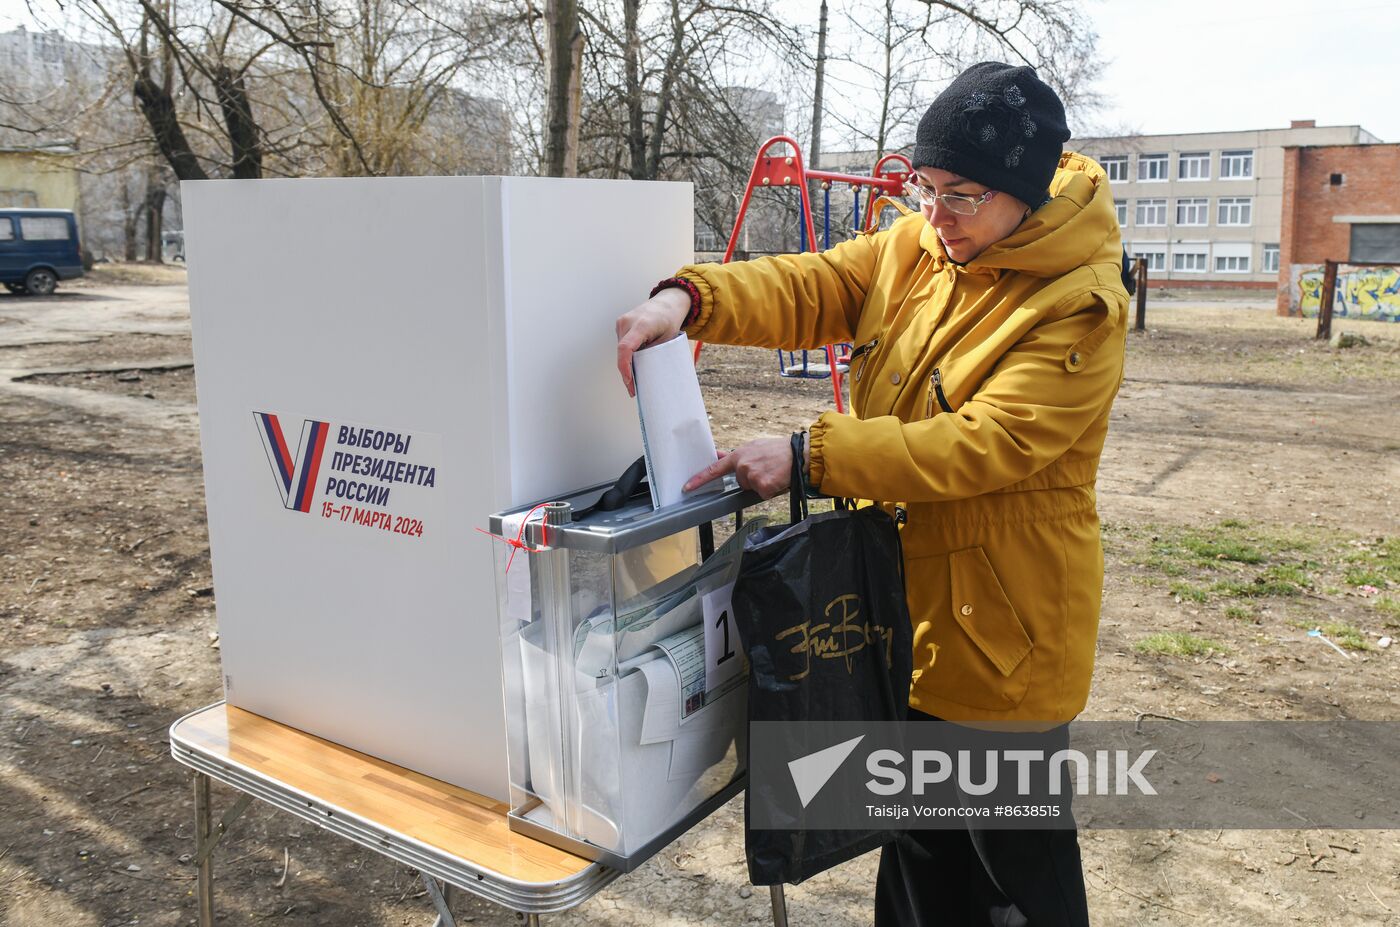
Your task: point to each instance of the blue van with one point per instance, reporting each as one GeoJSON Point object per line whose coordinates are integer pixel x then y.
{"type": "Point", "coordinates": [38, 248]}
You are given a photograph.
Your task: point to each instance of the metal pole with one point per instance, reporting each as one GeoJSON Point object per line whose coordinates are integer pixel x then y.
{"type": "Point", "coordinates": [802, 226]}
{"type": "Point", "coordinates": [1141, 272]}
{"type": "Point", "coordinates": [1329, 294]}
{"type": "Point", "coordinates": [203, 833]}
{"type": "Point", "coordinates": [775, 893]}
{"type": "Point", "coordinates": [439, 900]}
{"type": "Point", "coordinates": [826, 200]}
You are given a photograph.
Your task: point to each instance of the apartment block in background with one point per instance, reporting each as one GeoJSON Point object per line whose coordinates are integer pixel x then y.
{"type": "Point", "coordinates": [1205, 208]}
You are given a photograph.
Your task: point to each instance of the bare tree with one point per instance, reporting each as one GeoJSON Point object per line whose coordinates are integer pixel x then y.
{"type": "Point", "coordinates": [900, 52]}
{"type": "Point", "coordinates": [244, 88]}
{"type": "Point", "coordinates": [814, 144]}
{"type": "Point", "coordinates": [562, 102]}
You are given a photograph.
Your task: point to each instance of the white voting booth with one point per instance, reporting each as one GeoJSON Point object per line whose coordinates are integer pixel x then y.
{"type": "Point", "coordinates": [382, 364]}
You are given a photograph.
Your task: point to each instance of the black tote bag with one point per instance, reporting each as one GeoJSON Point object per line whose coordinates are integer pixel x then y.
{"type": "Point", "coordinates": [793, 574]}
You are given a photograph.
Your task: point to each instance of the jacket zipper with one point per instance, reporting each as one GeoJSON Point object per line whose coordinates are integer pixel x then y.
{"type": "Point", "coordinates": [935, 384]}
{"type": "Point", "coordinates": [864, 351]}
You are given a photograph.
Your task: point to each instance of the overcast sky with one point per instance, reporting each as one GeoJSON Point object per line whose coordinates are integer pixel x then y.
{"type": "Point", "coordinates": [1209, 65]}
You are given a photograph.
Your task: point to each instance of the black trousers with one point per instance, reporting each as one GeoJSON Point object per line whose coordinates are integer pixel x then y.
{"type": "Point", "coordinates": [976, 876]}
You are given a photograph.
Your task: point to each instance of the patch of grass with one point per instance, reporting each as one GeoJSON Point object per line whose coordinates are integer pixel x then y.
{"type": "Point", "coordinates": [1286, 573]}
{"type": "Point", "coordinates": [1374, 563]}
{"type": "Point", "coordinates": [1239, 613]}
{"type": "Point", "coordinates": [1389, 608]}
{"type": "Point", "coordinates": [1163, 565]}
{"type": "Point", "coordinates": [1291, 543]}
{"type": "Point", "coordinates": [1364, 576]}
{"type": "Point", "coordinates": [1233, 523]}
{"type": "Point", "coordinates": [1222, 549]}
{"type": "Point", "coordinates": [1252, 590]}
{"type": "Point", "coordinates": [1179, 644]}
{"type": "Point", "coordinates": [1189, 593]}
{"type": "Point", "coordinates": [1344, 635]}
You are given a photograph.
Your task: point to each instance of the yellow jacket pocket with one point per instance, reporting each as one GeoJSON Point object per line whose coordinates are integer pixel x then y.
{"type": "Point", "coordinates": [985, 618]}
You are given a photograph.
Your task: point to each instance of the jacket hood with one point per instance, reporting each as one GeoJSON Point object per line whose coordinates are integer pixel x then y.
{"type": "Point", "coordinates": [1078, 226]}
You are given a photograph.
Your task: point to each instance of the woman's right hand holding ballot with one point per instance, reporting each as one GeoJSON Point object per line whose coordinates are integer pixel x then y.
{"type": "Point", "coordinates": [658, 319]}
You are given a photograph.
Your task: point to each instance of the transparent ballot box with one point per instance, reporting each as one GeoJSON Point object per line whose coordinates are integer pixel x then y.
{"type": "Point", "coordinates": [625, 718]}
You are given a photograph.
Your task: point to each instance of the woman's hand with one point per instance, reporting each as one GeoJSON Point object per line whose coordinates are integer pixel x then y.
{"type": "Point", "coordinates": [657, 319]}
{"type": "Point", "coordinates": [764, 465]}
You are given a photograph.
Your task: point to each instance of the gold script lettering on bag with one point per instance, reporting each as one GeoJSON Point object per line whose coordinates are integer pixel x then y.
{"type": "Point", "coordinates": [839, 637]}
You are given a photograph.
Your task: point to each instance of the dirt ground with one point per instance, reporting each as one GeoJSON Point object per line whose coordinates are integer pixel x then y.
{"type": "Point", "coordinates": [1248, 493]}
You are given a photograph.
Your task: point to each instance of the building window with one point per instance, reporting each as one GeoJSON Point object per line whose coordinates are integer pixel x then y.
{"type": "Point", "coordinates": [1235, 210]}
{"type": "Point", "coordinates": [1121, 208]}
{"type": "Point", "coordinates": [20, 199]}
{"type": "Point", "coordinates": [1236, 165]}
{"type": "Point", "coordinates": [1116, 166]}
{"type": "Point", "coordinates": [1194, 165]}
{"type": "Point", "coordinates": [1231, 263]}
{"type": "Point", "coordinates": [1152, 167]}
{"type": "Point", "coordinates": [1375, 241]}
{"type": "Point", "coordinates": [43, 228]}
{"type": "Point", "coordinates": [1155, 257]}
{"type": "Point", "coordinates": [1193, 211]}
{"type": "Point", "coordinates": [1271, 259]}
{"type": "Point", "coordinates": [1151, 212]}
{"type": "Point", "coordinates": [1189, 262]}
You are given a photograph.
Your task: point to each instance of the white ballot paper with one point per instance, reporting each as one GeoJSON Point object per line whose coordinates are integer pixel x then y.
{"type": "Point", "coordinates": [675, 429]}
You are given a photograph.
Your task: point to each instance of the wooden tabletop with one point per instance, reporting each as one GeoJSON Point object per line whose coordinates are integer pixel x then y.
{"type": "Point", "coordinates": [460, 823]}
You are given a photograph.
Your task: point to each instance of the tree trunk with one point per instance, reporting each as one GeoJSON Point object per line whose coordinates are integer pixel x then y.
{"type": "Point", "coordinates": [886, 90]}
{"type": "Point", "coordinates": [129, 222]}
{"type": "Point", "coordinates": [238, 119]}
{"type": "Point", "coordinates": [664, 97]}
{"type": "Point", "coordinates": [159, 109]}
{"type": "Point", "coordinates": [575, 107]}
{"type": "Point", "coordinates": [155, 215]}
{"type": "Point", "coordinates": [814, 151]}
{"type": "Point", "coordinates": [561, 116]}
{"type": "Point", "coordinates": [636, 129]}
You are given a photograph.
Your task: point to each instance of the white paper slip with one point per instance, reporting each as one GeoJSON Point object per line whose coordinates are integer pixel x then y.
{"type": "Point", "coordinates": [675, 429]}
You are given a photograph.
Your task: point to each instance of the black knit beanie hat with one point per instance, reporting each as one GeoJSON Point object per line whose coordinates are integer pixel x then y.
{"type": "Point", "coordinates": [998, 125]}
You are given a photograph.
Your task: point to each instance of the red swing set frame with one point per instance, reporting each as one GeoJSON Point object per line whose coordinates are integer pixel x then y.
{"type": "Point", "coordinates": [771, 169]}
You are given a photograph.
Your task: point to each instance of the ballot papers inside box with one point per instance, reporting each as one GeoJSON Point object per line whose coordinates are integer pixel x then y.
{"type": "Point", "coordinates": [625, 683]}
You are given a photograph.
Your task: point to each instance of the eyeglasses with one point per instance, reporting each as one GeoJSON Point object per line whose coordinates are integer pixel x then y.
{"type": "Point", "coordinates": [953, 202]}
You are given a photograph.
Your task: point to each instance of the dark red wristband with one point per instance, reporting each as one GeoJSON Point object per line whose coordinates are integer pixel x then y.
{"type": "Point", "coordinates": [680, 283]}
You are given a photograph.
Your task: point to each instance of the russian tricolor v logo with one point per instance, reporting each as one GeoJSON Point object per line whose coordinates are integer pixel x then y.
{"type": "Point", "coordinates": [295, 473]}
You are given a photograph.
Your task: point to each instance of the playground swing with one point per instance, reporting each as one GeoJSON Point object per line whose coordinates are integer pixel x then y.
{"type": "Point", "coordinates": [773, 170]}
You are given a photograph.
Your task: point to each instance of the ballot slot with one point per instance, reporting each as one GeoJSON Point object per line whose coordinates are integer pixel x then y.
{"type": "Point", "coordinates": [615, 742]}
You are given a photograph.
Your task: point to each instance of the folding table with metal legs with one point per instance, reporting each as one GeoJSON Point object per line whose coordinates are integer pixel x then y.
{"type": "Point", "coordinates": [453, 837]}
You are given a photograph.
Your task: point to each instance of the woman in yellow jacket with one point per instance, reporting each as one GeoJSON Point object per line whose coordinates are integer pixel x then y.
{"type": "Point", "coordinates": [989, 334]}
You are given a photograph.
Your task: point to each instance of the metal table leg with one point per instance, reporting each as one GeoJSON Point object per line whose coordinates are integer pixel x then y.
{"type": "Point", "coordinates": [203, 828]}
{"type": "Point", "coordinates": [775, 892]}
{"type": "Point", "coordinates": [439, 900]}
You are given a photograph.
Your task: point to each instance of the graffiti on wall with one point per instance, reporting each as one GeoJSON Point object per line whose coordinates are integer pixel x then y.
{"type": "Point", "coordinates": [1362, 293]}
